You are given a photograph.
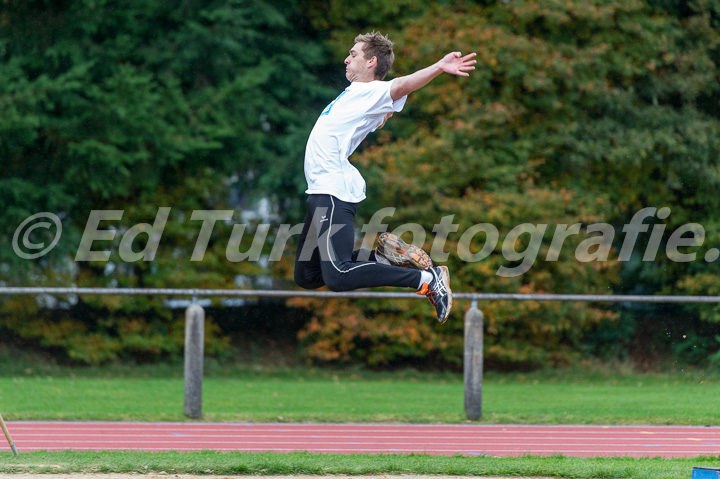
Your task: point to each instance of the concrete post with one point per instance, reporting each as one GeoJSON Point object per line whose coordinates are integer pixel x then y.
{"type": "Point", "coordinates": [194, 350]}
{"type": "Point", "coordinates": [473, 362]}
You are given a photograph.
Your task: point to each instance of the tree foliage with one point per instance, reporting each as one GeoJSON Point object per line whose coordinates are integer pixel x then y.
{"type": "Point", "coordinates": [135, 106]}
{"type": "Point", "coordinates": [579, 114]}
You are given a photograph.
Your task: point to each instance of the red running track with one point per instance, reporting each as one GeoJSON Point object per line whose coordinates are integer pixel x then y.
{"type": "Point", "coordinates": [468, 440]}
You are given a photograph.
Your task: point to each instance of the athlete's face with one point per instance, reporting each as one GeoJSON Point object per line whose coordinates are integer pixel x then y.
{"type": "Point", "coordinates": [357, 67]}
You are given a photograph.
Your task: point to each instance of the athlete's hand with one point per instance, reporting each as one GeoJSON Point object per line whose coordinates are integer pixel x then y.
{"type": "Point", "coordinates": [456, 64]}
{"type": "Point", "coordinates": [387, 117]}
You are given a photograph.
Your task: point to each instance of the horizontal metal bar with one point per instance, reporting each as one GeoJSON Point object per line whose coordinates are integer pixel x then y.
{"type": "Point", "coordinates": [204, 292]}
{"type": "Point", "coordinates": [354, 294]}
{"type": "Point", "coordinates": [608, 298]}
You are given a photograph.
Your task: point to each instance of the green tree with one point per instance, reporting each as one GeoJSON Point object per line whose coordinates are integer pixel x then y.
{"type": "Point", "coordinates": [133, 106]}
{"type": "Point", "coordinates": [578, 112]}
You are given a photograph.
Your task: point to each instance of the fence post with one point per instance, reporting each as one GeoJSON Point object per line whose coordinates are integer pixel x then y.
{"type": "Point", "coordinates": [473, 362]}
{"type": "Point", "coordinates": [194, 350]}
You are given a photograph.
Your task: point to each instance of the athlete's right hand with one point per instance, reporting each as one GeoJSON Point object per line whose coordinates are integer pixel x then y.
{"type": "Point", "coordinates": [387, 117]}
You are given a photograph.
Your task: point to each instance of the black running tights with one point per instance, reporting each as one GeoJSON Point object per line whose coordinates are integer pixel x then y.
{"type": "Point", "coordinates": [325, 253]}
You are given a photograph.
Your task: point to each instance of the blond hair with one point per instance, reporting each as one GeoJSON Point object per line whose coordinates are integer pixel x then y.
{"type": "Point", "coordinates": [378, 46]}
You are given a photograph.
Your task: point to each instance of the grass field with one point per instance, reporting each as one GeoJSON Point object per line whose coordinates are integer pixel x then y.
{"type": "Point", "coordinates": [217, 463]}
{"type": "Point", "coordinates": [152, 393]}
{"type": "Point", "coordinates": [156, 394]}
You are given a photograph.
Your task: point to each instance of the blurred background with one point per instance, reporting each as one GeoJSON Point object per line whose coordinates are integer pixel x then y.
{"type": "Point", "coordinates": [578, 112]}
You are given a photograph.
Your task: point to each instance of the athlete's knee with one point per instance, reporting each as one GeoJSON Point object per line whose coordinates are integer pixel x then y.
{"type": "Point", "coordinates": [337, 283]}
{"type": "Point", "coordinates": [306, 282]}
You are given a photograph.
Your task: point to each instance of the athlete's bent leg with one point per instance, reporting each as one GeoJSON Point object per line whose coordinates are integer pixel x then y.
{"type": "Point", "coordinates": [308, 273]}
{"type": "Point", "coordinates": [333, 220]}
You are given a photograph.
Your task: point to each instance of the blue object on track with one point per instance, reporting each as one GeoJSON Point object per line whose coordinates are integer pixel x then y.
{"type": "Point", "coordinates": [706, 473]}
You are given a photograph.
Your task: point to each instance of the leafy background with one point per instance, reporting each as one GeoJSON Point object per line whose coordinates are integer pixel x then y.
{"type": "Point", "coordinates": [579, 112]}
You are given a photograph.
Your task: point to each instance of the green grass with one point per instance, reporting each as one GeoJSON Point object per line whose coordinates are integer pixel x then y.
{"type": "Point", "coordinates": [211, 462]}
{"type": "Point", "coordinates": [149, 393]}
{"type": "Point", "coordinates": [156, 394]}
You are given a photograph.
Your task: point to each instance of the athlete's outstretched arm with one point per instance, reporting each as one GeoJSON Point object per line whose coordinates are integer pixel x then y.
{"type": "Point", "coordinates": [453, 63]}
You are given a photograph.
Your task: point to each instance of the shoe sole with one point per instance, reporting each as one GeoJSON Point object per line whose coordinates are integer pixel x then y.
{"type": "Point", "coordinates": [399, 253]}
{"type": "Point", "coordinates": [445, 277]}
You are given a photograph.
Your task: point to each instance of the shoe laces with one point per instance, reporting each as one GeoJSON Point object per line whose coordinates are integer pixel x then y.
{"type": "Point", "coordinates": [438, 286]}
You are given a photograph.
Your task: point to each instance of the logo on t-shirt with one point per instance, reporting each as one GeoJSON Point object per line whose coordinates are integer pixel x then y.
{"type": "Point", "coordinates": [329, 107]}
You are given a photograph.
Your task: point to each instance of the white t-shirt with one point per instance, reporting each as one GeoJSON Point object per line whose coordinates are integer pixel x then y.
{"type": "Point", "coordinates": [344, 123]}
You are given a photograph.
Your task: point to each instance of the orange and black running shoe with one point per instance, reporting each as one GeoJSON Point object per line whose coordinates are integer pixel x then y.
{"type": "Point", "coordinates": [397, 252]}
{"type": "Point", "coordinates": [438, 292]}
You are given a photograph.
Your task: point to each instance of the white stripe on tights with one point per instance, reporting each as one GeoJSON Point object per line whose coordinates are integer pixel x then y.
{"type": "Point", "coordinates": [330, 255]}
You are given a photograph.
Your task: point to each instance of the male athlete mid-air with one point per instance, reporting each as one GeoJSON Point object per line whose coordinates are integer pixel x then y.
{"type": "Point", "coordinates": [325, 253]}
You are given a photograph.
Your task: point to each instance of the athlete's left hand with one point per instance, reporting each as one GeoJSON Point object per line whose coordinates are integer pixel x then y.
{"type": "Point", "coordinates": [455, 63]}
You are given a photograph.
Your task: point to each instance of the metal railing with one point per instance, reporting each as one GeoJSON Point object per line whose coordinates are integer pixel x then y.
{"type": "Point", "coordinates": [473, 324]}
{"type": "Point", "coordinates": [192, 292]}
